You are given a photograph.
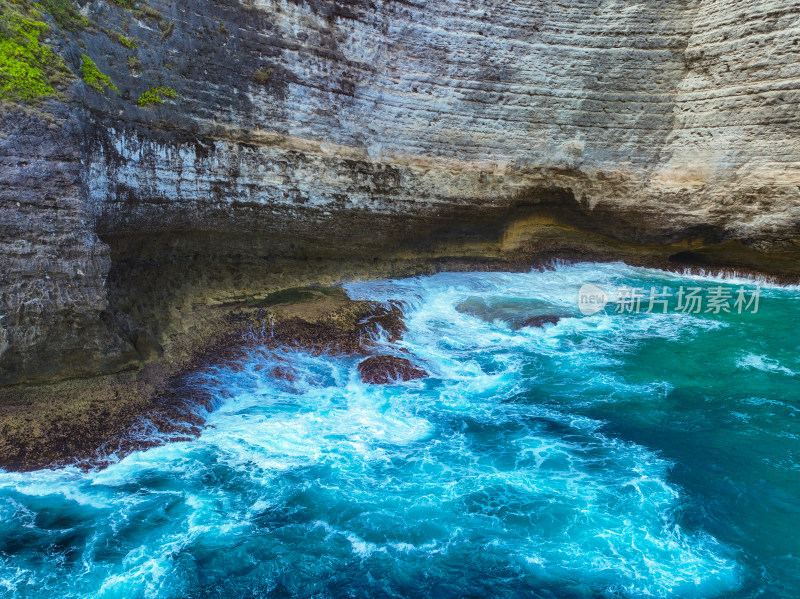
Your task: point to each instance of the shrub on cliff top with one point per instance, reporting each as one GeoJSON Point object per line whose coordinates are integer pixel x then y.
{"type": "Point", "coordinates": [156, 95]}
{"type": "Point", "coordinates": [93, 77]}
{"type": "Point", "coordinates": [29, 70]}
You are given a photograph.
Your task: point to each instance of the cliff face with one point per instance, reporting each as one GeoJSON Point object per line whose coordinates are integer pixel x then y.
{"type": "Point", "coordinates": [312, 141]}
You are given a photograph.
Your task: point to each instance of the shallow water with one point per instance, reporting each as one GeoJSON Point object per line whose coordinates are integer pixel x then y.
{"type": "Point", "coordinates": [612, 455]}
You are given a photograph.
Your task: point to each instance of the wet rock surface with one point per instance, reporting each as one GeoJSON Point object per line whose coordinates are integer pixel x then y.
{"type": "Point", "coordinates": [350, 330]}
{"type": "Point", "coordinates": [90, 423]}
{"type": "Point", "coordinates": [383, 370]}
{"type": "Point", "coordinates": [517, 312]}
{"type": "Point", "coordinates": [284, 373]}
{"type": "Point", "coordinates": [539, 320]}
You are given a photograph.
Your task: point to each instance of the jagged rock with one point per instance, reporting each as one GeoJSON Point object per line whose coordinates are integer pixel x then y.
{"type": "Point", "coordinates": [539, 320]}
{"type": "Point", "coordinates": [352, 329]}
{"type": "Point", "coordinates": [382, 370]}
{"type": "Point", "coordinates": [284, 373]}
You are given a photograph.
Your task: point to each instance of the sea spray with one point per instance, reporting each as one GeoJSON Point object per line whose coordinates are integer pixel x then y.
{"type": "Point", "coordinates": [595, 456]}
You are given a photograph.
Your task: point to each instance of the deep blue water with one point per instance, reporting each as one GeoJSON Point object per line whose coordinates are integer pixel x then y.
{"type": "Point", "coordinates": [612, 455]}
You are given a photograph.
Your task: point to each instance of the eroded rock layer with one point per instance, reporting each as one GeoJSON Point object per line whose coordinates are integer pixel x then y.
{"type": "Point", "coordinates": [313, 141]}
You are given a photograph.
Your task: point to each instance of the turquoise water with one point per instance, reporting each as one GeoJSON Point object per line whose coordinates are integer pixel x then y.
{"type": "Point", "coordinates": [612, 455]}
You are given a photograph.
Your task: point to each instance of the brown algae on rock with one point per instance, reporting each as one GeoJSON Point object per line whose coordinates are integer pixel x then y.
{"type": "Point", "coordinates": [382, 370]}
{"type": "Point", "coordinates": [85, 421]}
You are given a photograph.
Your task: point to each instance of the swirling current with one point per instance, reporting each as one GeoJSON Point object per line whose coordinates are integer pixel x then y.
{"type": "Point", "coordinates": [628, 454]}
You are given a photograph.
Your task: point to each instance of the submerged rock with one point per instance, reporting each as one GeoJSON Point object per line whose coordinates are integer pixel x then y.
{"type": "Point", "coordinates": [382, 370]}
{"type": "Point", "coordinates": [517, 312]}
{"type": "Point", "coordinates": [284, 373]}
{"type": "Point", "coordinates": [539, 320]}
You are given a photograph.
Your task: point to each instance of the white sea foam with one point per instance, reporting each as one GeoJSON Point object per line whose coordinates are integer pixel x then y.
{"type": "Point", "coordinates": [764, 364]}
{"type": "Point", "coordinates": [461, 465]}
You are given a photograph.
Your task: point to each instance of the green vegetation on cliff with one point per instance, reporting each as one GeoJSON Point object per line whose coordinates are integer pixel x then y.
{"type": "Point", "coordinates": [156, 95]}
{"type": "Point", "coordinates": [121, 39]}
{"type": "Point", "coordinates": [262, 75]}
{"type": "Point", "coordinates": [29, 70]}
{"type": "Point", "coordinates": [135, 65]}
{"type": "Point", "coordinates": [93, 77]}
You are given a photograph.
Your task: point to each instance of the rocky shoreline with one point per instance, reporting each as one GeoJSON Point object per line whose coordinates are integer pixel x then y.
{"type": "Point", "coordinates": [91, 422]}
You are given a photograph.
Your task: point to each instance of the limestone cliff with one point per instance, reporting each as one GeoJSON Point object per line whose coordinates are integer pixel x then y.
{"type": "Point", "coordinates": [313, 140]}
